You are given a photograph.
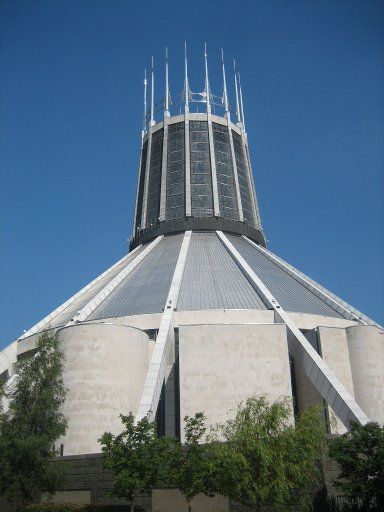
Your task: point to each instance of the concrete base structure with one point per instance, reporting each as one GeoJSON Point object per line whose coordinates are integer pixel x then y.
{"type": "Point", "coordinates": [218, 362]}
{"type": "Point", "coordinates": [87, 483]}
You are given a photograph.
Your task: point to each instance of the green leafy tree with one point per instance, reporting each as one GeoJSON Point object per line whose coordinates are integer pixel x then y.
{"type": "Point", "coordinates": [32, 424]}
{"type": "Point", "coordinates": [191, 467]}
{"type": "Point", "coordinates": [360, 455]}
{"type": "Point", "coordinates": [135, 456]}
{"type": "Point", "coordinates": [267, 462]}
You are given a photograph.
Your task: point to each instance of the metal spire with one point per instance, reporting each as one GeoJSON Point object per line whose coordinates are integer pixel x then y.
{"type": "Point", "coordinates": [241, 104]}
{"type": "Point", "coordinates": [166, 109]}
{"type": "Point", "coordinates": [225, 93]}
{"type": "Point", "coordinates": [186, 83]}
{"type": "Point", "coordinates": [207, 80]}
{"type": "Point", "coordinates": [237, 94]}
{"type": "Point", "coordinates": [145, 102]}
{"type": "Point", "coordinates": [152, 95]}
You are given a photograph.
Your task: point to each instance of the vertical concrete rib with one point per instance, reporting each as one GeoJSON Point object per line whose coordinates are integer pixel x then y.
{"type": "Point", "coordinates": [138, 184]}
{"type": "Point", "coordinates": [84, 313]}
{"type": "Point", "coordinates": [188, 201]}
{"type": "Point", "coordinates": [146, 179]}
{"type": "Point", "coordinates": [238, 195]}
{"type": "Point", "coordinates": [255, 205]}
{"type": "Point", "coordinates": [164, 166]}
{"type": "Point", "coordinates": [164, 342]}
{"type": "Point", "coordinates": [216, 207]}
{"type": "Point", "coordinates": [315, 368]}
{"type": "Point", "coordinates": [307, 283]}
{"type": "Point", "coordinates": [45, 321]}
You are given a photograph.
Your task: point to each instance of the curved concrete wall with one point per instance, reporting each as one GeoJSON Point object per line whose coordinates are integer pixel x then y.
{"type": "Point", "coordinates": [104, 371]}
{"type": "Point", "coordinates": [366, 353]}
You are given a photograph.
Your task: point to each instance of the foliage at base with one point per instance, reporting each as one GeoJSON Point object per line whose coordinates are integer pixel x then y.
{"type": "Point", "coordinates": [32, 424]}
{"type": "Point", "coordinates": [360, 455]}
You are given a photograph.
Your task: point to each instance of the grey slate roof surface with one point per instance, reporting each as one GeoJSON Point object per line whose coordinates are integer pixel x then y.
{"type": "Point", "coordinates": [146, 288]}
{"type": "Point", "coordinates": [290, 293]}
{"type": "Point", "coordinates": [212, 279]}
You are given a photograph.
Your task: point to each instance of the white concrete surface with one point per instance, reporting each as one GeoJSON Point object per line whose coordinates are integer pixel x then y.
{"type": "Point", "coordinates": [223, 365]}
{"type": "Point", "coordinates": [104, 371]}
{"type": "Point", "coordinates": [366, 352]}
{"type": "Point", "coordinates": [334, 351]}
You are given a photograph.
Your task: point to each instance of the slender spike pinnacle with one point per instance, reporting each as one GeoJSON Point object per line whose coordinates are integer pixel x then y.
{"type": "Point", "coordinates": [186, 83]}
{"type": "Point", "coordinates": [207, 92]}
{"type": "Point", "coordinates": [237, 94]}
{"type": "Point", "coordinates": [241, 104]}
{"type": "Point", "coordinates": [145, 102]}
{"type": "Point", "coordinates": [152, 94]}
{"type": "Point", "coordinates": [166, 108]}
{"type": "Point", "coordinates": [225, 93]}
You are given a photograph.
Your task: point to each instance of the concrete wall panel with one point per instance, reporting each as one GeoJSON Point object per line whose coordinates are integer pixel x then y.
{"type": "Point", "coordinates": [366, 353]}
{"type": "Point", "coordinates": [334, 349]}
{"type": "Point", "coordinates": [104, 370]}
{"type": "Point", "coordinates": [222, 365]}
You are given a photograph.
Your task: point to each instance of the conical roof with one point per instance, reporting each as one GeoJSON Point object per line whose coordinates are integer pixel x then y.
{"type": "Point", "coordinates": [211, 280]}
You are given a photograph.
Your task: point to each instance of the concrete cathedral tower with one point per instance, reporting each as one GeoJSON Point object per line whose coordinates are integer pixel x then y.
{"type": "Point", "coordinates": [199, 314]}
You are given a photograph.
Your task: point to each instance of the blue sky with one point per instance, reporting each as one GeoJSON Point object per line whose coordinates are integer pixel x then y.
{"type": "Point", "coordinates": [71, 112]}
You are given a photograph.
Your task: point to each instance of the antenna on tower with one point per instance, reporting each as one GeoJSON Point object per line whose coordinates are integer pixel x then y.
{"type": "Point", "coordinates": [207, 80]}
{"type": "Point", "coordinates": [241, 104]}
{"type": "Point", "coordinates": [237, 94]}
{"type": "Point", "coordinates": [225, 93]}
{"type": "Point", "coordinates": [152, 94]}
{"type": "Point", "coordinates": [166, 109]}
{"type": "Point", "coordinates": [186, 83]}
{"type": "Point", "coordinates": [145, 102]}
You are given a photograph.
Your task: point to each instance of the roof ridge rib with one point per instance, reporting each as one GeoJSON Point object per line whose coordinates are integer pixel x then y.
{"type": "Point", "coordinates": [315, 368]}
{"type": "Point", "coordinates": [88, 309]}
{"type": "Point", "coordinates": [327, 296]}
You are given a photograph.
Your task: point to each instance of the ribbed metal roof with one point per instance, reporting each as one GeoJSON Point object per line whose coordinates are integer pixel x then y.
{"type": "Point", "coordinates": [146, 288]}
{"type": "Point", "coordinates": [212, 280]}
{"type": "Point", "coordinates": [290, 293]}
{"type": "Point", "coordinates": [63, 317]}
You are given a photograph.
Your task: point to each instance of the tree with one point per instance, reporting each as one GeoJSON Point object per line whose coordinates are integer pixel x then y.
{"type": "Point", "coordinates": [267, 462]}
{"type": "Point", "coordinates": [32, 424]}
{"type": "Point", "coordinates": [360, 455]}
{"type": "Point", "coordinates": [135, 457]}
{"type": "Point", "coordinates": [191, 467]}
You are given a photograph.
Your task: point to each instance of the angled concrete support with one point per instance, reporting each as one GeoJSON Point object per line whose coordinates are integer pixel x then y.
{"type": "Point", "coordinates": [84, 313]}
{"type": "Point", "coordinates": [164, 341]}
{"type": "Point", "coordinates": [315, 368]}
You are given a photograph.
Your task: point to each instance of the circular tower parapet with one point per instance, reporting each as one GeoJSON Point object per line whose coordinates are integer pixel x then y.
{"type": "Point", "coordinates": [195, 173]}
